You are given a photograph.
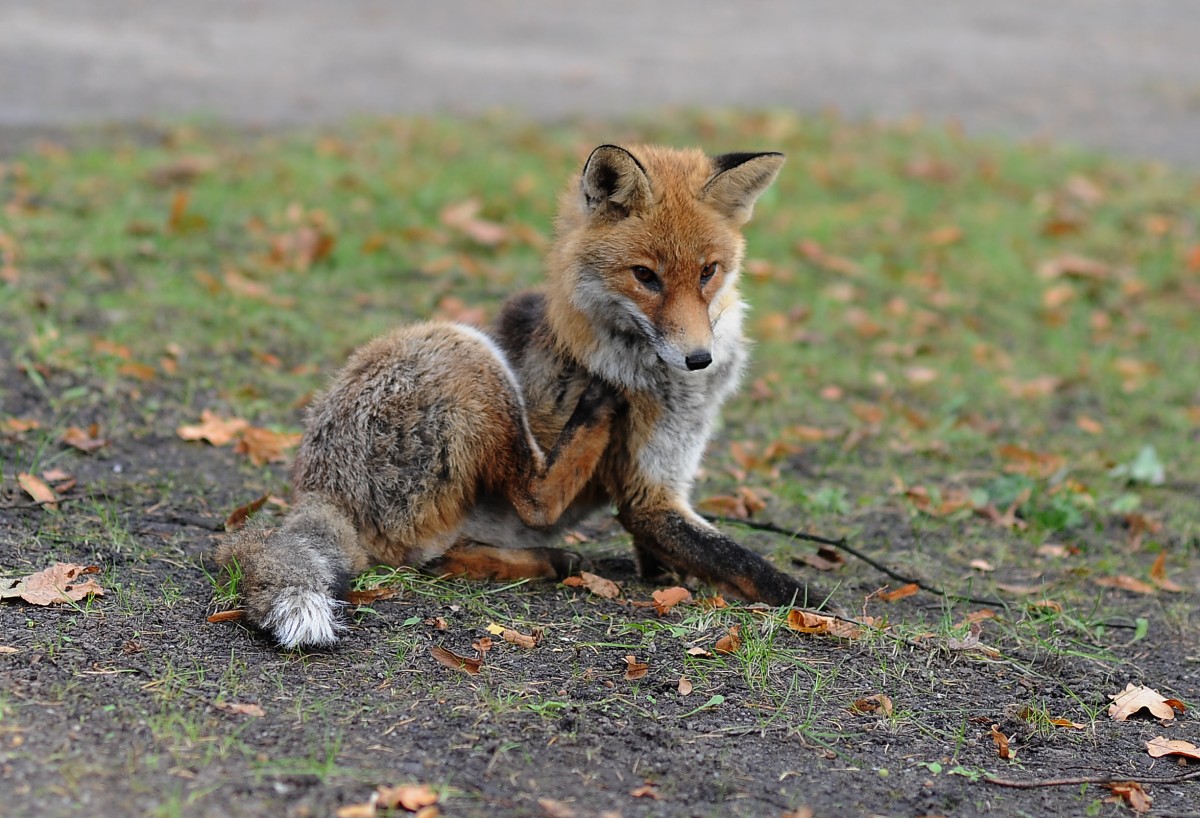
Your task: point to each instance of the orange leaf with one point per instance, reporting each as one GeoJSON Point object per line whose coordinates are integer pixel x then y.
{"type": "Point", "coordinates": [227, 616]}
{"type": "Point", "coordinates": [216, 430]}
{"type": "Point", "coordinates": [1126, 583]}
{"type": "Point", "coordinates": [1133, 794]}
{"type": "Point", "coordinates": [875, 702]}
{"type": "Point", "coordinates": [731, 642]}
{"type": "Point", "coordinates": [453, 660]}
{"type": "Point", "coordinates": [1158, 575]}
{"type": "Point", "coordinates": [598, 585]}
{"type": "Point", "coordinates": [264, 446]}
{"type": "Point", "coordinates": [1137, 697]}
{"type": "Point", "coordinates": [36, 488]}
{"type": "Point", "coordinates": [85, 441]}
{"type": "Point", "coordinates": [18, 426]}
{"type": "Point", "coordinates": [407, 796]}
{"type": "Point", "coordinates": [237, 518]}
{"type": "Point", "coordinates": [900, 593]}
{"type": "Point", "coordinates": [1001, 741]}
{"type": "Point", "coordinates": [369, 595]}
{"type": "Point", "coordinates": [1160, 746]}
{"type": "Point", "coordinates": [519, 639]}
{"type": "Point", "coordinates": [634, 669]}
{"type": "Point", "coordinates": [1068, 723]}
{"type": "Point", "coordinates": [667, 598]}
{"type": "Point", "coordinates": [645, 791]}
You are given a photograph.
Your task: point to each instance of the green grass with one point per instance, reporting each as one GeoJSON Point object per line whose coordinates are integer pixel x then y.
{"type": "Point", "coordinates": [923, 377]}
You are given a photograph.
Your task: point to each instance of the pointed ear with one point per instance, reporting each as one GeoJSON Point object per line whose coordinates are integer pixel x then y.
{"type": "Point", "coordinates": [614, 184]}
{"type": "Point", "coordinates": [738, 180]}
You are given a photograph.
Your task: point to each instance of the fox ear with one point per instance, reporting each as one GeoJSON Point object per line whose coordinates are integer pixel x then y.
{"type": "Point", "coordinates": [738, 180]}
{"type": "Point", "coordinates": [614, 184]}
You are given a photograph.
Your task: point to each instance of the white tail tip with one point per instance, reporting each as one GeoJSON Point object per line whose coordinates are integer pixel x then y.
{"type": "Point", "coordinates": [302, 617]}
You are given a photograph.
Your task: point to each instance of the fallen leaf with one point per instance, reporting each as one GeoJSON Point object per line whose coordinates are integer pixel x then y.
{"type": "Point", "coordinates": [407, 796]}
{"type": "Point", "coordinates": [826, 558]}
{"type": "Point", "coordinates": [1160, 746]}
{"type": "Point", "coordinates": [482, 645]}
{"type": "Point", "coordinates": [1002, 746]}
{"type": "Point", "coordinates": [464, 217]}
{"type": "Point", "coordinates": [450, 659]}
{"type": "Point", "coordinates": [731, 642]}
{"type": "Point", "coordinates": [494, 629]}
{"type": "Point", "coordinates": [6, 649]}
{"type": "Point", "coordinates": [899, 593]}
{"type": "Point", "coordinates": [519, 639]}
{"type": "Point", "coordinates": [645, 791]}
{"type": "Point", "coordinates": [1074, 725]}
{"type": "Point", "coordinates": [875, 702]}
{"type": "Point", "coordinates": [556, 809]}
{"type": "Point", "coordinates": [982, 565]}
{"type": "Point", "coordinates": [18, 426]}
{"type": "Point", "coordinates": [684, 687]}
{"type": "Point", "coordinates": [369, 595]}
{"type": "Point", "coordinates": [213, 428]}
{"type": "Point", "coordinates": [1126, 583]}
{"type": "Point", "coordinates": [1089, 425]}
{"type": "Point", "coordinates": [1072, 266]}
{"type": "Point", "coordinates": [634, 669]}
{"type": "Point", "coordinates": [1137, 697]}
{"type": "Point", "coordinates": [1158, 575]}
{"type": "Point", "coordinates": [86, 441]}
{"type": "Point", "coordinates": [366, 810]}
{"type": "Point", "coordinates": [598, 585]}
{"type": "Point", "coordinates": [437, 623]}
{"type": "Point", "coordinates": [240, 709]}
{"type": "Point", "coordinates": [226, 616]}
{"type": "Point", "coordinates": [807, 622]}
{"type": "Point", "coordinates": [57, 584]}
{"type": "Point", "coordinates": [36, 488]}
{"type": "Point", "coordinates": [667, 598]}
{"type": "Point", "coordinates": [1131, 792]}
{"type": "Point", "coordinates": [182, 170]}
{"type": "Point", "coordinates": [265, 446]}
{"type": "Point", "coordinates": [237, 518]}
{"type": "Point", "coordinates": [698, 651]}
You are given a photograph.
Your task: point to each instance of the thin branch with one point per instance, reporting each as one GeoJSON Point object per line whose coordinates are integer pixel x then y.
{"type": "Point", "coordinates": [1103, 779]}
{"type": "Point", "coordinates": [842, 545]}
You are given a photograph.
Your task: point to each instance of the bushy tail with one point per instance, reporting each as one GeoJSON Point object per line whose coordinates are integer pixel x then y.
{"type": "Point", "coordinates": [293, 576]}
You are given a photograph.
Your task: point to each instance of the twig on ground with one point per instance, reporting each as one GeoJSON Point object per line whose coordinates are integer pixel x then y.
{"type": "Point", "coordinates": [842, 545]}
{"type": "Point", "coordinates": [1100, 779]}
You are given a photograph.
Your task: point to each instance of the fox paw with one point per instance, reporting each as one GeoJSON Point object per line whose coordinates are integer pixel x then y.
{"type": "Point", "coordinates": [302, 617]}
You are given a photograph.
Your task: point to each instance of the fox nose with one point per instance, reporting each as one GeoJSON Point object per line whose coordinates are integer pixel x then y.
{"type": "Point", "coordinates": [698, 360]}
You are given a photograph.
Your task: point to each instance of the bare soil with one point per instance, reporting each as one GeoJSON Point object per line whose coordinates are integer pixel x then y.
{"type": "Point", "coordinates": [126, 705]}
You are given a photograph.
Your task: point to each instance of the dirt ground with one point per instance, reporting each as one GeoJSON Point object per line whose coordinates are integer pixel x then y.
{"type": "Point", "coordinates": [129, 704]}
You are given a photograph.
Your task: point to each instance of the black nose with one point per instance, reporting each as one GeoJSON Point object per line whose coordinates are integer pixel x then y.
{"type": "Point", "coordinates": [698, 360]}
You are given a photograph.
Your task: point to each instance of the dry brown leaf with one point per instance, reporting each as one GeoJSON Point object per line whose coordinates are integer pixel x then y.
{"type": "Point", "coordinates": [645, 791]}
{"type": "Point", "coordinates": [698, 651]}
{"type": "Point", "coordinates": [731, 642]}
{"type": "Point", "coordinates": [482, 645]}
{"type": "Point", "coordinates": [87, 441]}
{"type": "Point", "coordinates": [1158, 575]}
{"type": "Point", "coordinates": [667, 598]}
{"type": "Point", "coordinates": [59, 583]}
{"type": "Point", "coordinates": [1131, 792]}
{"type": "Point", "coordinates": [876, 702]}
{"type": "Point", "coordinates": [366, 810]}
{"type": "Point", "coordinates": [464, 217]}
{"type": "Point", "coordinates": [1089, 425]}
{"type": "Point", "coordinates": [1126, 583]}
{"type": "Point", "coordinates": [8, 649]}
{"type": "Point", "coordinates": [519, 639]}
{"type": "Point", "coordinates": [453, 660]}
{"type": "Point", "coordinates": [265, 446]}
{"type": "Point", "coordinates": [596, 584]}
{"type": "Point", "coordinates": [634, 669]}
{"type": "Point", "coordinates": [226, 616]}
{"type": "Point", "coordinates": [18, 426]}
{"type": "Point", "coordinates": [1160, 746]}
{"type": "Point", "coordinates": [407, 796]}
{"type": "Point", "coordinates": [437, 623]}
{"type": "Point", "coordinates": [369, 595]}
{"type": "Point", "coordinates": [237, 518]}
{"type": "Point", "coordinates": [982, 565]}
{"type": "Point", "coordinates": [826, 558]}
{"type": "Point", "coordinates": [1072, 266]}
{"type": "Point", "coordinates": [213, 428]}
{"type": "Point", "coordinates": [556, 809]}
{"type": "Point", "coordinates": [899, 593]}
{"type": "Point", "coordinates": [36, 488]}
{"type": "Point", "coordinates": [241, 709]}
{"type": "Point", "coordinates": [1137, 697]}
{"type": "Point", "coordinates": [1002, 746]}
{"type": "Point", "coordinates": [1074, 725]}
{"type": "Point", "coordinates": [684, 687]}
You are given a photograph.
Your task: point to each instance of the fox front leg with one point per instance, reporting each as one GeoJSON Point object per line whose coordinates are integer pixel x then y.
{"type": "Point", "coordinates": [672, 536]}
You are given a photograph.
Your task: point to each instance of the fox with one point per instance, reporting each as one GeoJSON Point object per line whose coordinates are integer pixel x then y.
{"type": "Point", "coordinates": [471, 453]}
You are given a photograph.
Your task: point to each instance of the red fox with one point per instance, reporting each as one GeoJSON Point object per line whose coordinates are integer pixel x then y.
{"type": "Point", "coordinates": [617, 368]}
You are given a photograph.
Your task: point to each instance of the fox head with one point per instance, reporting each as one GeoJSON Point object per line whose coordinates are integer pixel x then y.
{"type": "Point", "coordinates": [649, 247]}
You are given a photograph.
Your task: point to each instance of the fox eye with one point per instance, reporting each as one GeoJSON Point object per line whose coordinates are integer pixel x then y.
{"type": "Point", "coordinates": [647, 276]}
{"type": "Point", "coordinates": [708, 272]}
